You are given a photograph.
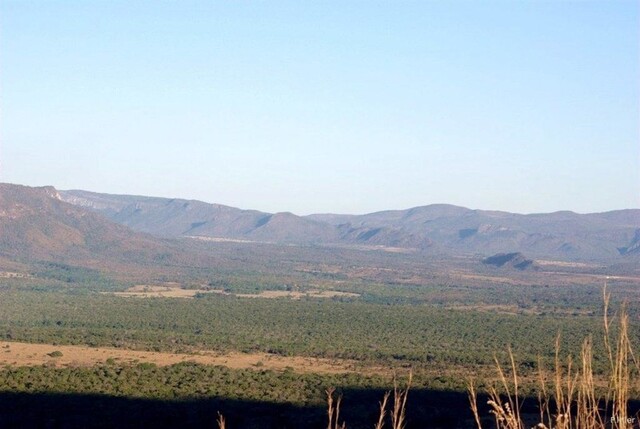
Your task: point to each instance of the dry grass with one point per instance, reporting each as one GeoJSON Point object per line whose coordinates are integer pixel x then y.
{"type": "Point", "coordinates": [222, 424]}
{"type": "Point", "coordinates": [333, 410]}
{"type": "Point", "coordinates": [175, 291]}
{"type": "Point", "coordinates": [577, 402]}
{"type": "Point", "coordinates": [298, 295]}
{"type": "Point", "coordinates": [396, 415]}
{"type": "Point", "coordinates": [383, 410]}
{"type": "Point", "coordinates": [156, 291]}
{"type": "Point", "coordinates": [27, 354]}
{"type": "Point", "coordinates": [14, 275]}
{"type": "Point", "coordinates": [544, 262]}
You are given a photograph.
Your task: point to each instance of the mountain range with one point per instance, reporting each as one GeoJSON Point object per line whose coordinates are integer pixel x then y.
{"type": "Point", "coordinates": [439, 228]}
{"type": "Point", "coordinates": [45, 224]}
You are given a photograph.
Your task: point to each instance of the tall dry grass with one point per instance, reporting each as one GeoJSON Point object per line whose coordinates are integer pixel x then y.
{"type": "Point", "coordinates": [396, 415]}
{"type": "Point", "coordinates": [222, 424]}
{"type": "Point", "coordinates": [569, 397]}
{"type": "Point", "coordinates": [333, 410]}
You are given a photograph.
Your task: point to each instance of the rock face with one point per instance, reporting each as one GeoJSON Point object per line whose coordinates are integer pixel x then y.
{"type": "Point", "coordinates": [509, 260]}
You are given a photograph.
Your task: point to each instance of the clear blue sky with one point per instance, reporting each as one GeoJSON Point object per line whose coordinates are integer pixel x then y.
{"type": "Point", "coordinates": [345, 106]}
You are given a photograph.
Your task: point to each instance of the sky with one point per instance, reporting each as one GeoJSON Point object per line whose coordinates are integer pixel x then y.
{"type": "Point", "coordinates": [329, 106]}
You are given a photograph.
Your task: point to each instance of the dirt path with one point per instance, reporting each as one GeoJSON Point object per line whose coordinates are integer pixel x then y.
{"type": "Point", "coordinates": [26, 354]}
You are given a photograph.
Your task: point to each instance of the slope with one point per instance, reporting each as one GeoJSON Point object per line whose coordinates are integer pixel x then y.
{"type": "Point", "coordinates": [36, 225]}
{"type": "Point", "coordinates": [167, 217]}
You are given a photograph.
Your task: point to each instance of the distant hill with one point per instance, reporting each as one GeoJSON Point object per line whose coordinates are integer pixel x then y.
{"type": "Point", "coordinates": [440, 228]}
{"type": "Point", "coordinates": [452, 229]}
{"type": "Point", "coordinates": [36, 225]}
{"type": "Point", "coordinates": [173, 218]}
{"type": "Point", "coordinates": [512, 260]}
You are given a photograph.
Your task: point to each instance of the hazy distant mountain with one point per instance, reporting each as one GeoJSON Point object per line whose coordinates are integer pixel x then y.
{"type": "Point", "coordinates": [437, 228]}
{"type": "Point", "coordinates": [565, 235]}
{"type": "Point", "coordinates": [167, 217]}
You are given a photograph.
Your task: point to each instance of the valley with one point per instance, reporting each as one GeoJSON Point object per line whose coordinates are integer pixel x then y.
{"type": "Point", "coordinates": [89, 306]}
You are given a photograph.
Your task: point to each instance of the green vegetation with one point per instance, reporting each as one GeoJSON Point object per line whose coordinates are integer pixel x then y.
{"type": "Point", "coordinates": [409, 314]}
{"type": "Point", "coordinates": [417, 335]}
{"type": "Point", "coordinates": [191, 395]}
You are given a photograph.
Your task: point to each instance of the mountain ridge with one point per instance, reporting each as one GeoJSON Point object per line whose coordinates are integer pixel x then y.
{"type": "Point", "coordinates": [442, 228]}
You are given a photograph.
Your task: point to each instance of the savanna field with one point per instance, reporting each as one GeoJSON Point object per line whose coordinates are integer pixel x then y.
{"type": "Point", "coordinates": [218, 342]}
{"type": "Point", "coordinates": [319, 215]}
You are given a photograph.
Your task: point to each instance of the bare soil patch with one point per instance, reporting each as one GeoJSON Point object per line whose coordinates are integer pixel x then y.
{"type": "Point", "coordinates": [499, 279]}
{"type": "Point", "coordinates": [543, 262]}
{"type": "Point", "coordinates": [27, 354]}
{"type": "Point", "coordinates": [13, 275]}
{"type": "Point", "coordinates": [298, 295]}
{"type": "Point", "coordinates": [167, 291]}
{"type": "Point", "coordinates": [175, 291]}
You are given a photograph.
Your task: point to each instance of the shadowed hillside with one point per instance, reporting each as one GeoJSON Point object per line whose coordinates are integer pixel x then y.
{"type": "Point", "coordinates": [513, 260]}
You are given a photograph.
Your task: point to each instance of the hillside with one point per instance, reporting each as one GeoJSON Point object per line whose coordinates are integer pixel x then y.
{"type": "Point", "coordinates": [440, 228]}
{"type": "Point", "coordinates": [36, 225]}
{"type": "Point", "coordinates": [511, 260]}
{"type": "Point", "coordinates": [173, 218]}
{"type": "Point", "coordinates": [565, 235]}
